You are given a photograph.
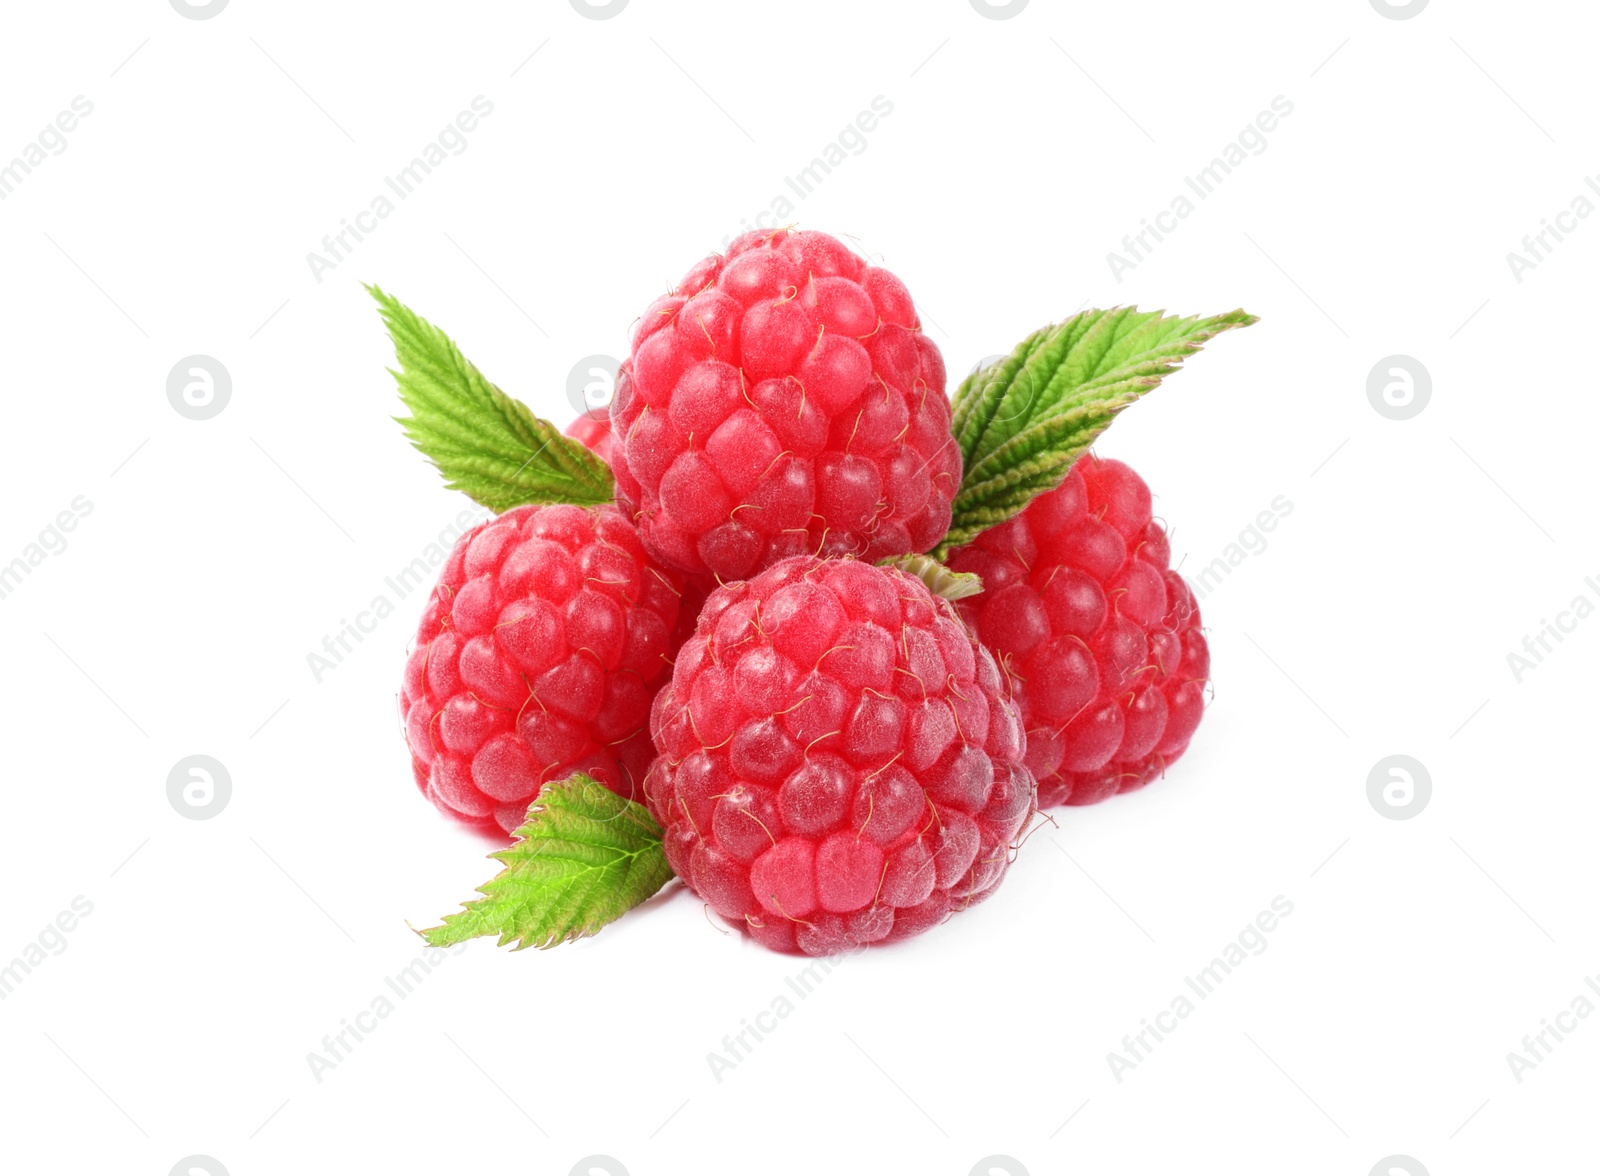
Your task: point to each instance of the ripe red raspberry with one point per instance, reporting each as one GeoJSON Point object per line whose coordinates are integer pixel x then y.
{"type": "Point", "coordinates": [781, 400]}
{"type": "Point", "coordinates": [1101, 641]}
{"type": "Point", "coordinates": [840, 762]}
{"type": "Point", "coordinates": [538, 655]}
{"type": "Point", "coordinates": [594, 431]}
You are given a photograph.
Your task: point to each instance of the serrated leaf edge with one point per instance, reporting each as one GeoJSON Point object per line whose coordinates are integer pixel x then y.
{"type": "Point", "coordinates": [1074, 404]}
{"type": "Point", "coordinates": [575, 475]}
{"type": "Point", "coordinates": [464, 924]}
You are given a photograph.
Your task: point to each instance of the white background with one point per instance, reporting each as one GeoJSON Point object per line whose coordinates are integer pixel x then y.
{"type": "Point", "coordinates": [1418, 554]}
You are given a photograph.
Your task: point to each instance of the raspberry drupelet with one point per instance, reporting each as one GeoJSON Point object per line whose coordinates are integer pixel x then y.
{"type": "Point", "coordinates": [783, 400]}
{"type": "Point", "coordinates": [1101, 640]}
{"type": "Point", "coordinates": [538, 655]}
{"type": "Point", "coordinates": [595, 433]}
{"type": "Point", "coordinates": [840, 762]}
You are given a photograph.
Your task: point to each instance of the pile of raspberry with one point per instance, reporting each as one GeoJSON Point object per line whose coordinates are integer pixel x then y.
{"type": "Point", "coordinates": [837, 755]}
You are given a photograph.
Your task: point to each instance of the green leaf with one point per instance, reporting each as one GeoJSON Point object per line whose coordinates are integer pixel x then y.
{"type": "Point", "coordinates": [485, 443]}
{"type": "Point", "coordinates": [1022, 421]}
{"type": "Point", "coordinates": [583, 858]}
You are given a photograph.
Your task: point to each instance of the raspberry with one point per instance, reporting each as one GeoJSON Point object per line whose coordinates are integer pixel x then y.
{"type": "Point", "coordinates": [1101, 641]}
{"type": "Point", "coordinates": [782, 400]}
{"type": "Point", "coordinates": [538, 655]}
{"type": "Point", "coordinates": [840, 761]}
{"type": "Point", "coordinates": [594, 431]}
